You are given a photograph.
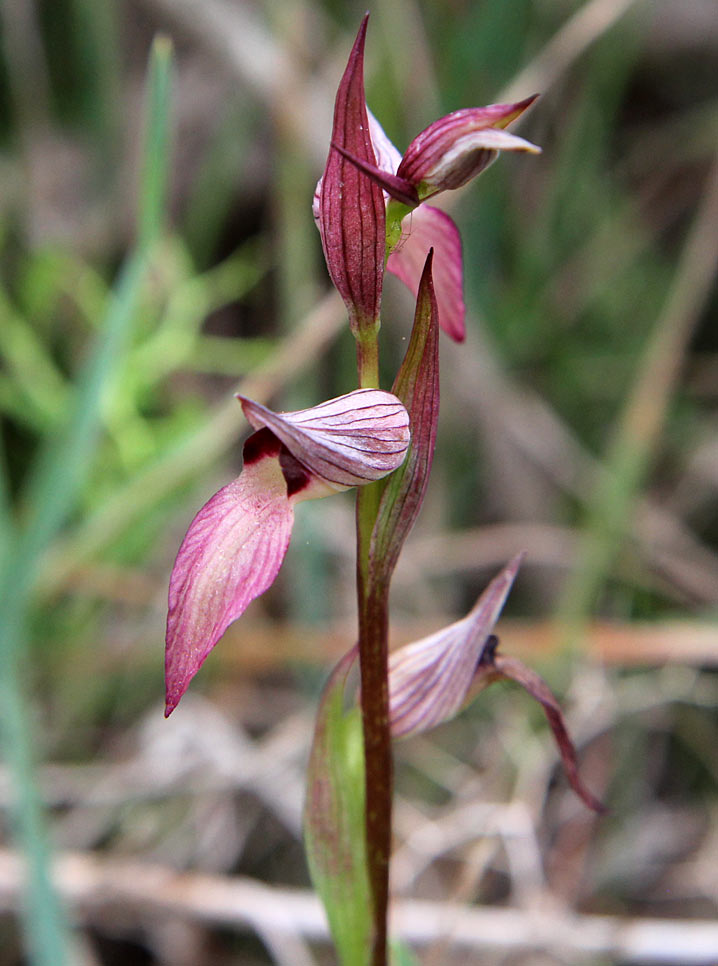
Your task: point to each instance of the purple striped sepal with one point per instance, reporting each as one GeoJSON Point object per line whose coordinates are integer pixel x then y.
{"type": "Point", "coordinates": [349, 207]}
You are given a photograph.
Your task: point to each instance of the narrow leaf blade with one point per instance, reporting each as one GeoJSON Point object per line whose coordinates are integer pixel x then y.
{"type": "Point", "coordinates": [334, 833]}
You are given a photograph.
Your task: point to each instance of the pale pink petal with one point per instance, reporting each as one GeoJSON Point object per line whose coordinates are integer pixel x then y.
{"type": "Point", "coordinates": [430, 679]}
{"type": "Point", "coordinates": [316, 206]}
{"type": "Point", "coordinates": [429, 227]}
{"type": "Point", "coordinates": [230, 555]}
{"type": "Point", "coordinates": [347, 441]}
{"type": "Point", "coordinates": [387, 156]}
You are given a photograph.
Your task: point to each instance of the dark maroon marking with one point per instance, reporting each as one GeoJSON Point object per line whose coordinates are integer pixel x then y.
{"type": "Point", "coordinates": [296, 475]}
{"type": "Point", "coordinates": [488, 651]}
{"type": "Point", "coordinates": [260, 444]}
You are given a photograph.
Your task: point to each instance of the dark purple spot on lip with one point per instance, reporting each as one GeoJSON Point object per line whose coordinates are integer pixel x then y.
{"type": "Point", "coordinates": [296, 475]}
{"type": "Point", "coordinates": [488, 651]}
{"type": "Point", "coordinates": [260, 444]}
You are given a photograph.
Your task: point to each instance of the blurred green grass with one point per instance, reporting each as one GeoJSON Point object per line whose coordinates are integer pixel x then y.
{"type": "Point", "coordinates": [570, 260]}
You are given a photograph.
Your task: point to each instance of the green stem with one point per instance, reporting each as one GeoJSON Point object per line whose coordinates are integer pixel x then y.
{"type": "Point", "coordinates": [368, 359]}
{"type": "Point", "coordinates": [373, 599]}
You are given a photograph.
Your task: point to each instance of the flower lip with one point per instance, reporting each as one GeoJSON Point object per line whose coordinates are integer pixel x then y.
{"type": "Point", "coordinates": [231, 554]}
{"type": "Point", "coordinates": [353, 439]}
{"type": "Point", "coordinates": [260, 444]}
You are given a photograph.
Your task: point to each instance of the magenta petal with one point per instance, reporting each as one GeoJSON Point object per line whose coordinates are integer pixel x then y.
{"type": "Point", "coordinates": [431, 228]}
{"type": "Point", "coordinates": [231, 553]}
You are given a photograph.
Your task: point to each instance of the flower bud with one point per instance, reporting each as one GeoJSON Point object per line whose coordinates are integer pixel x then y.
{"type": "Point", "coordinates": [349, 206]}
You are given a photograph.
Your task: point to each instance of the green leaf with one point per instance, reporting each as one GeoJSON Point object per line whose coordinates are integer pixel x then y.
{"type": "Point", "coordinates": [334, 834]}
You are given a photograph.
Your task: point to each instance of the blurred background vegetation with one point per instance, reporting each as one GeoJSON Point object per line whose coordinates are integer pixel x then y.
{"type": "Point", "coordinates": [578, 422]}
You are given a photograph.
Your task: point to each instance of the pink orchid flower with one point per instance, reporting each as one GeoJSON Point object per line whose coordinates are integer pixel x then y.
{"type": "Point", "coordinates": [446, 155]}
{"type": "Point", "coordinates": [427, 228]}
{"type": "Point", "coordinates": [353, 221]}
{"type": "Point", "coordinates": [235, 545]}
{"type": "Point", "coordinates": [432, 679]}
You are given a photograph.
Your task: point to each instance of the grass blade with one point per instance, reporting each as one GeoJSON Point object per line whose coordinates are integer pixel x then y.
{"type": "Point", "coordinates": [50, 494]}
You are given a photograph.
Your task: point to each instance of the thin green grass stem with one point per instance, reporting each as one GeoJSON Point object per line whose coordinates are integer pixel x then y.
{"type": "Point", "coordinates": [45, 926]}
{"type": "Point", "coordinates": [153, 186]}
{"type": "Point", "coordinates": [49, 496]}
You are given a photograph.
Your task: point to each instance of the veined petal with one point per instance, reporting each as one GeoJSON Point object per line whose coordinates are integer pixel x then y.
{"type": "Point", "coordinates": [457, 147]}
{"type": "Point", "coordinates": [427, 227]}
{"type": "Point", "coordinates": [350, 206]}
{"type": "Point", "coordinates": [468, 157]}
{"type": "Point", "coordinates": [231, 553]}
{"type": "Point", "coordinates": [347, 441]}
{"type": "Point", "coordinates": [429, 680]}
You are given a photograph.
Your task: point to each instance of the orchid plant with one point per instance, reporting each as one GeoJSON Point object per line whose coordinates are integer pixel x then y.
{"type": "Point", "coordinates": [370, 211]}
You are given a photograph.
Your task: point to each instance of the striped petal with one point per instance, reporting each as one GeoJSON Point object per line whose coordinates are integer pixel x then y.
{"type": "Point", "coordinates": [457, 147]}
{"type": "Point", "coordinates": [349, 207]}
{"type": "Point", "coordinates": [235, 545]}
{"type": "Point", "coordinates": [347, 441]}
{"type": "Point", "coordinates": [430, 679]}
